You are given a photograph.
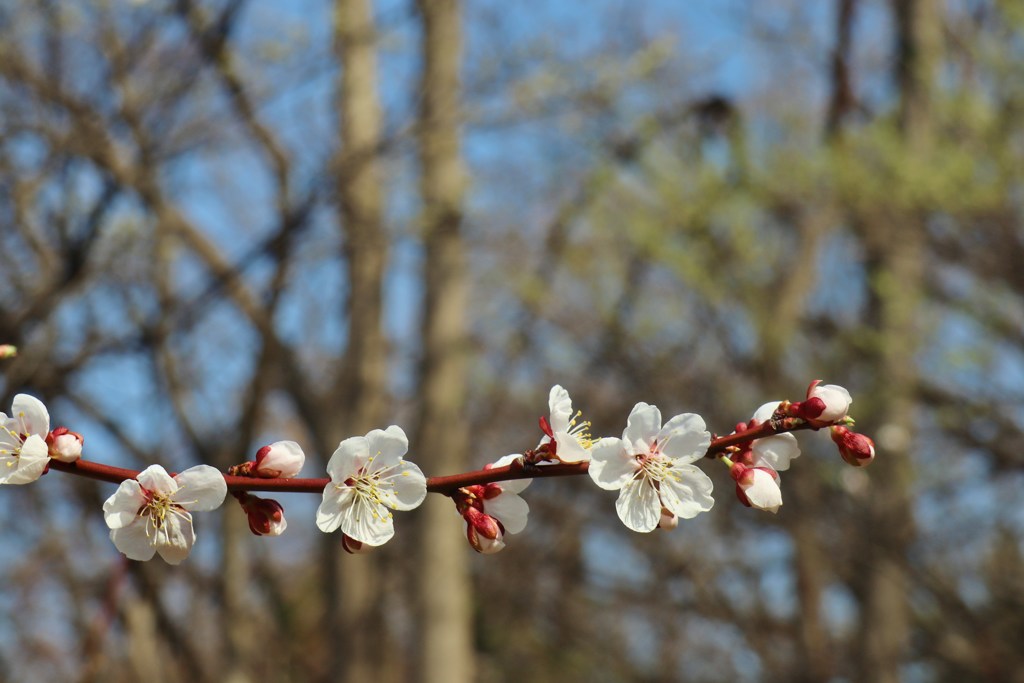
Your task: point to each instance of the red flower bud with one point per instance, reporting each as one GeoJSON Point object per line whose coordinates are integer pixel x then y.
{"type": "Point", "coordinates": [354, 547]}
{"type": "Point", "coordinates": [266, 515]}
{"type": "Point", "coordinates": [856, 449]}
{"type": "Point", "coordinates": [483, 532]}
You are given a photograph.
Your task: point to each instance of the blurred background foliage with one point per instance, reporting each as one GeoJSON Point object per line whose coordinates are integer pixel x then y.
{"type": "Point", "coordinates": [227, 222]}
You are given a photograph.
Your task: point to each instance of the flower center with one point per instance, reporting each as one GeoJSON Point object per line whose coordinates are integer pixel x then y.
{"type": "Point", "coordinates": [157, 511]}
{"type": "Point", "coordinates": [374, 488]}
{"type": "Point", "coordinates": [655, 466]}
{"type": "Point", "coordinates": [13, 447]}
{"type": "Point", "coordinates": [580, 430]}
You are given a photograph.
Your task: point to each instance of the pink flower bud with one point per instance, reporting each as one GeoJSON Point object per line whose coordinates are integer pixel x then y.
{"type": "Point", "coordinates": [757, 487]}
{"type": "Point", "coordinates": [856, 449]}
{"type": "Point", "coordinates": [64, 444]}
{"type": "Point", "coordinates": [8, 351]}
{"type": "Point", "coordinates": [825, 404]}
{"type": "Point", "coordinates": [354, 547]}
{"type": "Point", "coordinates": [282, 459]}
{"type": "Point", "coordinates": [266, 516]}
{"type": "Point", "coordinates": [482, 544]}
{"type": "Point", "coordinates": [483, 532]}
{"type": "Point", "coordinates": [668, 520]}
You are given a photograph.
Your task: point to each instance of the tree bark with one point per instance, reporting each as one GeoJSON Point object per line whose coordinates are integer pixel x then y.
{"type": "Point", "coordinates": [361, 390]}
{"type": "Point", "coordinates": [445, 650]}
{"type": "Point", "coordinates": [896, 251]}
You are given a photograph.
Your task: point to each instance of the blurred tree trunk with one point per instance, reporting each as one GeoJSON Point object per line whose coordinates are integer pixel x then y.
{"type": "Point", "coordinates": [896, 254]}
{"type": "Point", "coordinates": [354, 585]}
{"type": "Point", "coordinates": [443, 588]}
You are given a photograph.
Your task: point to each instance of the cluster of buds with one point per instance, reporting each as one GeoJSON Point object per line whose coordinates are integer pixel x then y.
{"type": "Point", "coordinates": [492, 510]}
{"type": "Point", "coordinates": [827, 406]}
{"type": "Point", "coordinates": [755, 464]}
{"type": "Point", "coordinates": [279, 460]}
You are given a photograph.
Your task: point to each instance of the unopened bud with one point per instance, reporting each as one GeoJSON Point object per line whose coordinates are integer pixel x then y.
{"type": "Point", "coordinates": [484, 524]}
{"type": "Point", "coordinates": [266, 515]}
{"type": "Point", "coordinates": [856, 449]}
{"type": "Point", "coordinates": [757, 487]}
{"type": "Point", "coordinates": [483, 532]}
{"type": "Point", "coordinates": [668, 520]}
{"type": "Point", "coordinates": [825, 404]}
{"type": "Point", "coordinates": [64, 444]}
{"type": "Point", "coordinates": [354, 547]}
{"type": "Point", "coordinates": [282, 459]}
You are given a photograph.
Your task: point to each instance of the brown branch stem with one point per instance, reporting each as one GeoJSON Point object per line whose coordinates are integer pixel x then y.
{"type": "Point", "coordinates": [444, 485]}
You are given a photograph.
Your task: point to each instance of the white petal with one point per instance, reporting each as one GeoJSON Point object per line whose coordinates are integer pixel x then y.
{"type": "Point", "coordinates": [642, 427]}
{"type": "Point", "coordinates": [510, 510]}
{"type": "Point", "coordinates": [8, 466]}
{"type": "Point", "coordinates": [685, 438]}
{"type": "Point", "coordinates": [282, 459]}
{"type": "Point", "coordinates": [31, 415]}
{"type": "Point", "coordinates": [133, 542]}
{"type": "Point", "coordinates": [560, 407]}
{"type": "Point", "coordinates": [368, 522]}
{"type": "Point", "coordinates": [776, 451]}
{"type": "Point", "coordinates": [687, 491]}
{"type": "Point", "coordinates": [155, 478]}
{"type": "Point", "coordinates": [765, 412]}
{"type": "Point", "coordinates": [837, 401]}
{"type": "Point", "coordinates": [511, 485]}
{"type": "Point", "coordinates": [67, 448]}
{"type": "Point", "coordinates": [764, 492]}
{"type": "Point", "coordinates": [329, 514]}
{"type": "Point", "coordinates": [179, 536]}
{"type": "Point", "coordinates": [409, 487]}
{"type": "Point", "coordinates": [386, 446]}
{"type": "Point", "coordinates": [569, 449]}
{"type": "Point", "coordinates": [32, 461]}
{"type": "Point", "coordinates": [122, 508]}
{"type": "Point", "coordinates": [350, 456]}
{"type": "Point", "coordinates": [200, 488]}
{"type": "Point", "coordinates": [638, 505]}
{"type": "Point", "coordinates": [611, 467]}
{"type": "Point", "coordinates": [10, 441]}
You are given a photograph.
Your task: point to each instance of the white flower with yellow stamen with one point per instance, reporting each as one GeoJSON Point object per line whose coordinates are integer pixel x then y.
{"type": "Point", "coordinates": [567, 437]}
{"type": "Point", "coordinates": [23, 450]}
{"type": "Point", "coordinates": [650, 466]}
{"type": "Point", "coordinates": [153, 512]}
{"type": "Point", "coordinates": [368, 476]}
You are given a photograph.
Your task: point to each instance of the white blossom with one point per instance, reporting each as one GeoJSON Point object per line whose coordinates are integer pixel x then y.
{"type": "Point", "coordinates": [23, 450]}
{"type": "Point", "coordinates": [567, 437]}
{"type": "Point", "coordinates": [152, 513]}
{"type": "Point", "coordinates": [651, 467]}
{"type": "Point", "coordinates": [369, 476]}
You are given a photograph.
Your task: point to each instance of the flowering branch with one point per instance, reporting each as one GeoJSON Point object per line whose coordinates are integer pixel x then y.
{"type": "Point", "coordinates": [444, 485]}
{"type": "Point", "coordinates": [652, 467]}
